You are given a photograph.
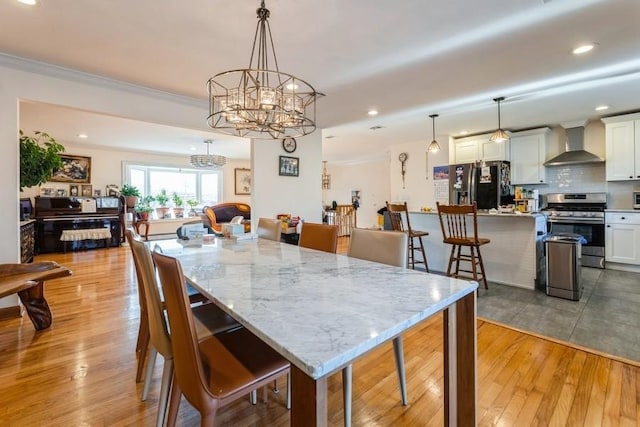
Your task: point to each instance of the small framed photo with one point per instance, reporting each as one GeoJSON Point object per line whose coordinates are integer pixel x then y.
{"type": "Point", "coordinates": [242, 181]}
{"type": "Point", "coordinates": [97, 193]}
{"type": "Point", "coordinates": [289, 166]}
{"type": "Point", "coordinates": [74, 191]}
{"type": "Point", "coordinates": [87, 190]}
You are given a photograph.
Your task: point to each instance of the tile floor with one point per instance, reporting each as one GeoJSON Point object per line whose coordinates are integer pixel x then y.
{"type": "Point", "coordinates": [607, 317]}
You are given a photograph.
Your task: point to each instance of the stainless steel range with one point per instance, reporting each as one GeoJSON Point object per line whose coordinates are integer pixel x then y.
{"type": "Point", "coordinates": [579, 213]}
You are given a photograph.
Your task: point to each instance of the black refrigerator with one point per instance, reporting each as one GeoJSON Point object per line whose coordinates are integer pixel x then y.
{"type": "Point", "coordinates": [488, 184]}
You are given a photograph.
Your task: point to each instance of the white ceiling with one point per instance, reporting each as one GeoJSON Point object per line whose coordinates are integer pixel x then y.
{"type": "Point", "coordinates": [408, 59]}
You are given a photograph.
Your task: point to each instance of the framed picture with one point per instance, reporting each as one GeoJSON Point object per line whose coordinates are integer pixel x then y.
{"type": "Point", "coordinates": [74, 169]}
{"type": "Point", "coordinates": [74, 191]}
{"type": "Point", "coordinates": [87, 190]}
{"type": "Point", "coordinates": [242, 181]}
{"type": "Point", "coordinates": [289, 166]}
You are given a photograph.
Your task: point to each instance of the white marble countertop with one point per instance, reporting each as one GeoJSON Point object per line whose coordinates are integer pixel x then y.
{"type": "Point", "coordinates": [319, 310]}
{"type": "Point", "coordinates": [509, 215]}
{"type": "Point", "coordinates": [623, 210]}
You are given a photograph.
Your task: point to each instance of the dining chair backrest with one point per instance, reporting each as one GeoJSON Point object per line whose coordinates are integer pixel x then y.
{"type": "Point", "coordinates": [398, 216]}
{"type": "Point", "coordinates": [386, 247]}
{"type": "Point", "coordinates": [459, 223]}
{"type": "Point", "coordinates": [269, 228]}
{"type": "Point", "coordinates": [323, 237]}
{"type": "Point", "coordinates": [188, 365]}
{"type": "Point", "coordinates": [147, 280]}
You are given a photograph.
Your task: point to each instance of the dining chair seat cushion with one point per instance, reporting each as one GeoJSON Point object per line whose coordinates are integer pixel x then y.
{"type": "Point", "coordinates": [236, 360]}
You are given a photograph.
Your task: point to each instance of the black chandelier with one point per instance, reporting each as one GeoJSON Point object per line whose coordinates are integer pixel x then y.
{"type": "Point", "coordinates": [259, 102]}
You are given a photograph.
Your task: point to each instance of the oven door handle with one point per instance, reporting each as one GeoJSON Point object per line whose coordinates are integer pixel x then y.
{"type": "Point", "coordinates": [577, 220]}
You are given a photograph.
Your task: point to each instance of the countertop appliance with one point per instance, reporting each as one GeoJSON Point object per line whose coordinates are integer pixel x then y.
{"type": "Point", "coordinates": [487, 183]}
{"type": "Point", "coordinates": [636, 200]}
{"type": "Point", "coordinates": [583, 214]}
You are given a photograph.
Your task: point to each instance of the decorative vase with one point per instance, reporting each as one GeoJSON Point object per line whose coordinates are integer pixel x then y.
{"type": "Point", "coordinates": [162, 212]}
{"type": "Point", "coordinates": [131, 201]}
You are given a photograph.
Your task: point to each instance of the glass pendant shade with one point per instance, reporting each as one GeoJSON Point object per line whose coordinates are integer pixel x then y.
{"type": "Point", "coordinates": [499, 135]}
{"type": "Point", "coordinates": [208, 161]}
{"type": "Point", "coordinates": [434, 147]}
{"type": "Point", "coordinates": [259, 102]}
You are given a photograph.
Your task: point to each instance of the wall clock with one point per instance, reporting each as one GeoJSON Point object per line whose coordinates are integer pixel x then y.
{"type": "Point", "coordinates": [289, 145]}
{"type": "Point", "coordinates": [403, 158]}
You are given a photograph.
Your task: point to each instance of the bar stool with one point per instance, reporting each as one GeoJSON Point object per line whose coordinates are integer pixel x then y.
{"type": "Point", "coordinates": [459, 224]}
{"type": "Point", "coordinates": [399, 217]}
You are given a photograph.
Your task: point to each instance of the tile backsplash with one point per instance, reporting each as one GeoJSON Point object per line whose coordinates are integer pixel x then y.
{"type": "Point", "coordinates": [588, 178]}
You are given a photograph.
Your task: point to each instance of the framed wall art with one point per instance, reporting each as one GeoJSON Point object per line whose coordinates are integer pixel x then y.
{"type": "Point", "coordinates": [242, 181]}
{"type": "Point", "coordinates": [289, 166]}
{"type": "Point", "coordinates": [74, 169]}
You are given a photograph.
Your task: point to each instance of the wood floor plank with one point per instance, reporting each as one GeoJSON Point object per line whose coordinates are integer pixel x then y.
{"type": "Point", "coordinates": [82, 370]}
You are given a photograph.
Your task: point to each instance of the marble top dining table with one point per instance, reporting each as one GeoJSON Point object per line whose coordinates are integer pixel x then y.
{"type": "Point", "coordinates": [322, 311]}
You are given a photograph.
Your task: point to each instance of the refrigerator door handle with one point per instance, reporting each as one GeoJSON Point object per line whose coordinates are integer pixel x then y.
{"type": "Point", "coordinates": [473, 193]}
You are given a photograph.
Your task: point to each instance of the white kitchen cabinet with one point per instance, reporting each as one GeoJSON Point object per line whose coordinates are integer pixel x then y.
{"type": "Point", "coordinates": [475, 148]}
{"type": "Point", "coordinates": [623, 147]}
{"type": "Point", "coordinates": [622, 237]}
{"type": "Point", "coordinates": [528, 153]}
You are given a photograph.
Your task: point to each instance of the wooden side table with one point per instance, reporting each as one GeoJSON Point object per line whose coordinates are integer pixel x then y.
{"type": "Point", "coordinates": [138, 224]}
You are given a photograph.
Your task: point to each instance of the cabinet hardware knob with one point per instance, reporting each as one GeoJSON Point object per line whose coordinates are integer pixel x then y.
{"type": "Point", "coordinates": [623, 218]}
{"type": "Point", "coordinates": [608, 226]}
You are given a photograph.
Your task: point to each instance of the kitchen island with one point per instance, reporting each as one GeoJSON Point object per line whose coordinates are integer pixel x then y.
{"type": "Point", "coordinates": [514, 256]}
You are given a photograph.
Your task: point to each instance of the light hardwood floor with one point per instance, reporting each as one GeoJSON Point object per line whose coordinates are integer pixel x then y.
{"type": "Point", "coordinates": [81, 371]}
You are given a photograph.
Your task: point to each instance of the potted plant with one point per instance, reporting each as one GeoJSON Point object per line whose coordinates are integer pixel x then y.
{"type": "Point", "coordinates": [162, 198]}
{"type": "Point", "coordinates": [144, 210]}
{"type": "Point", "coordinates": [131, 194]}
{"type": "Point", "coordinates": [192, 204]}
{"type": "Point", "coordinates": [39, 157]}
{"type": "Point", "coordinates": [178, 201]}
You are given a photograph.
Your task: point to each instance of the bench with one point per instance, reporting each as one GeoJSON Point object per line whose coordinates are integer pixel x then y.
{"type": "Point", "coordinates": [85, 234]}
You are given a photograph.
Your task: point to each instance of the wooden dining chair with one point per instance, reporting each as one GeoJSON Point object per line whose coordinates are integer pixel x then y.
{"type": "Point", "coordinates": [323, 237]}
{"type": "Point", "coordinates": [386, 247]}
{"type": "Point", "coordinates": [208, 318]}
{"type": "Point", "coordinates": [218, 370]}
{"type": "Point", "coordinates": [399, 217]}
{"type": "Point", "coordinates": [269, 228]}
{"type": "Point", "coordinates": [459, 224]}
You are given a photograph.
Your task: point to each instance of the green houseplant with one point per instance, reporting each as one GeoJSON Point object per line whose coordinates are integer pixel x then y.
{"type": "Point", "coordinates": [177, 205]}
{"type": "Point", "coordinates": [192, 204]}
{"type": "Point", "coordinates": [131, 194]}
{"type": "Point", "coordinates": [39, 157]}
{"type": "Point", "coordinates": [162, 198]}
{"type": "Point", "coordinates": [144, 207]}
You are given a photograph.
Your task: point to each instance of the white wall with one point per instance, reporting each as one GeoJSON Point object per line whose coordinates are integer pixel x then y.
{"type": "Point", "coordinates": [419, 183]}
{"type": "Point", "coordinates": [106, 168]}
{"type": "Point", "coordinates": [273, 194]}
{"type": "Point", "coordinates": [371, 178]}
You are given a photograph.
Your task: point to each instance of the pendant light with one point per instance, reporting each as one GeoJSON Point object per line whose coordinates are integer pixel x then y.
{"type": "Point", "coordinates": [499, 135]}
{"type": "Point", "coordinates": [208, 161]}
{"type": "Point", "coordinates": [434, 147]}
{"type": "Point", "coordinates": [260, 101]}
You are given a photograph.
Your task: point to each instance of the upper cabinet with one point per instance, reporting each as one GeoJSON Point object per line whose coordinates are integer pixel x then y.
{"type": "Point", "coordinates": [623, 147]}
{"type": "Point", "coordinates": [475, 148]}
{"type": "Point", "coordinates": [528, 153]}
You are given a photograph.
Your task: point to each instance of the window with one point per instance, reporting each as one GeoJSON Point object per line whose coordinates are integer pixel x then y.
{"type": "Point", "coordinates": [202, 185]}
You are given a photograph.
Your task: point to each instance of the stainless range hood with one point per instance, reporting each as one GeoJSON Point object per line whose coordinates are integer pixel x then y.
{"type": "Point", "coordinates": [575, 153]}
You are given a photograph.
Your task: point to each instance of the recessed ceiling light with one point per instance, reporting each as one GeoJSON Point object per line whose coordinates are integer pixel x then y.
{"type": "Point", "coordinates": [372, 112]}
{"type": "Point", "coordinates": [83, 136]}
{"type": "Point", "coordinates": [602, 107]}
{"type": "Point", "coordinates": [584, 48]}
{"type": "Point", "coordinates": [329, 137]}
{"type": "Point", "coordinates": [28, 2]}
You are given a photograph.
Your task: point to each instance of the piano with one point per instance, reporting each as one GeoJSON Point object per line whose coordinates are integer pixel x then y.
{"type": "Point", "coordinates": [54, 215]}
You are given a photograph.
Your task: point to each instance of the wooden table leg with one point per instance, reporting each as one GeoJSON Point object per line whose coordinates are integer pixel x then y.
{"type": "Point", "coordinates": [460, 363]}
{"type": "Point", "coordinates": [308, 400]}
{"type": "Point", "coordinates": [36, 306]}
